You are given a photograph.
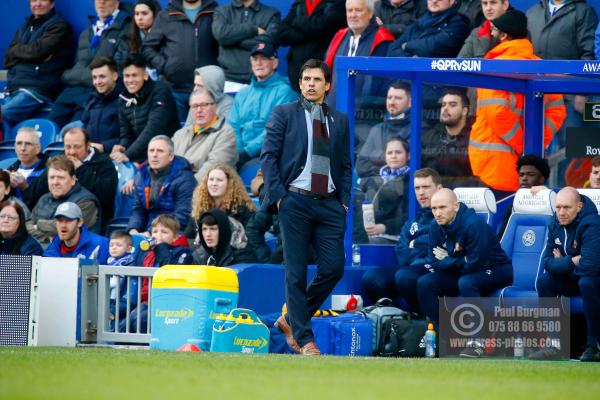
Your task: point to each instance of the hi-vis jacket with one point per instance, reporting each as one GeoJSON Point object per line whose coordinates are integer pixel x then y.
{"type": "Point", "coordinates": [496, 140]}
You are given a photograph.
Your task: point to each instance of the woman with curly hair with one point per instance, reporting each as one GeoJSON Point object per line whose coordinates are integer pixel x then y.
{"type": "Point", "coordinates": [220, 188]}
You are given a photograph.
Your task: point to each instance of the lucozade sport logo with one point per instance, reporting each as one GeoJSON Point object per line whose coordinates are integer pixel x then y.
{"type": "Point", "coordinates": [172, 317]}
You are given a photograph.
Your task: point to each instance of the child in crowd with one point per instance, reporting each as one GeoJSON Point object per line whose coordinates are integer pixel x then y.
{"type": "Point", "coordinates": [120, 249]}
{"type": "Point", "coordinates": [167, 247]}
{"type": "Point", "coordinates": [222, 240]}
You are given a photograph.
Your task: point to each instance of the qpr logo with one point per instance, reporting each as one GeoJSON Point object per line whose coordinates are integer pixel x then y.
{"type": "Point", "coordinates": [414, 228]}
{"type": "Point", "coordinates": [528, 238]}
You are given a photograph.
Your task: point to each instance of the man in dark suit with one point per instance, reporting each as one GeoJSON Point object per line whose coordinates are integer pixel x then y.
{"type": "Point", "coordinates": [306, 164]}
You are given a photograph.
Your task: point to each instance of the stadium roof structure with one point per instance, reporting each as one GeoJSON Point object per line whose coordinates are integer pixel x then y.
{"type": "Point", "coordinates": [532, 78]}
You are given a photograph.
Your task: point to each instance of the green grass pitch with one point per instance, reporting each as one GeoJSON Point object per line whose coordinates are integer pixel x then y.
{"type": "Point", "coordinates": [102, 373]}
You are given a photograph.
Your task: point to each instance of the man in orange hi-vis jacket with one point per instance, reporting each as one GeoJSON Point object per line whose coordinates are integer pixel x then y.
{"type": "Point", "coordinates": [496, 140]}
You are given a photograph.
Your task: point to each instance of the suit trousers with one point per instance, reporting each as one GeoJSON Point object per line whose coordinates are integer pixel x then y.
{"type": "Point", "coordinates": [303, 221]}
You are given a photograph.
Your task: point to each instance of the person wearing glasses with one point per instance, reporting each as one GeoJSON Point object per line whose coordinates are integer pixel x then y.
{"type": "Point", "coordinates": [209, 139]}
{"type": "Point", "coordinates": [252, 106]}
{"type": "Point", "coordinates": [14, 238]}
{"type": "Point", "coordinates": [146, 109]}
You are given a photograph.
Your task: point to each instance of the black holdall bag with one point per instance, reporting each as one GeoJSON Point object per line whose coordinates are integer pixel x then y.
{"type": "Point", "coordinates": [396, 333]}
{"type": "Point", "coordinates": [403, 338]}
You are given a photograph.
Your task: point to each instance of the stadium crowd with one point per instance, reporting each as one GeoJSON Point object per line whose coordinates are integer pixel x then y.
{"type": "Point", "coordinates": [184, 94]}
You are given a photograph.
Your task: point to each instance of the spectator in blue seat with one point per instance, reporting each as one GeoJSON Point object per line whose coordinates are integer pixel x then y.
{"type": "Point", "coordinates": [307, 29]}
{"type": "Point", "coordinates": [93, 169]}
{"type": "Point", "coordinates": [562, 29]}
{"type": "Point", "coordinates": [73, 239]}
{"type": "Point", "coordinates": [571, 262]}
{"type": "Point", "coordinates": [238, 27]}
{"type": "Point", "coordinates": [411, 249]}
{"type": "Point", "coordinates": [164, 186]}
{"type": "Point", "coordinates": [180, 41]}
{"type": "Point", "coordinates": [397, 15]}
{"type": "Point", "coordinates": [252, 106]}
{"type": "Point", "coordinates": [14, 238]}
{"type": "Point", "coordinates": [363, 37]}
{"type": "Point", "coordinates": [212, 78]}
{"type": "Point", "coordinates": [146, 109]}
{"type": "Point", "coordinates": [120, 249]}
{"type": "Point", "coordinates": [396, 124]}
{"type": "Point", "coordinates": [100, 116]}
{"type": "Point", "coordinates": [440, 32]}
{"type": "Point", "coordinates": [464, 258]}
{"type": "Point", "coordinates": [30, 165]}
{"type": "Point", "coordinates": [35, 58]}
{"type": "Point", "coordinates": [64, 187]}
{"type": "Point", "coordinates": [209, 139]}
{"type": "Point", "coordinates": [105, 36]}
{"type": "Point", "coordinates": [480, 41]}
{"type": "Point", "coordinates": [445, 145]}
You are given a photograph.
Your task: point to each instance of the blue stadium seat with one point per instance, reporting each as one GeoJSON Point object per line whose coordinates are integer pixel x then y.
{"type": "Point", "coordinates": [116, 224]}
{"type": "Point", "coordinates": [123, 203]}
{"type": "Point", "coordinates": [481, 200]}
{"type": "Point", "coordinates": [54, 149]}
{"type": "Point", "coordinates": [524, 241]}
{"type": "Point", "coordinates": [7, 162]}
{"type": "Point", "coordinates": [46, 129]}
{"type": "Point", "coordinates": [7, 149]}
{"type": "Point", "coordinates": [248, 172]}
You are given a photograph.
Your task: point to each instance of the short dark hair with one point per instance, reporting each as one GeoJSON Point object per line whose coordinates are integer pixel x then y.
{"type": "Point", "coordinates": [596, 161]}
{"type": "Point", "coordinates": [429, 172]}
{"type": "Point", "coordinates": [460, 92]}
{"type": "Point", "coordinates": [136, 60]}
{"type": "Point", "coordinates": [208, 219]}
{"type": "Point", "coordinates": [316, 63]}
{"type": "Point", "coordinates": [402, 85]}
{"type": "Point", "coordinates": [122, 235]}
{"type": "Point", "coordinates": [61, 162]}
{"type": "Point", "coordinates": [86, 134]}
{"type": "Point", "coordinates": [541, 164]}
{"type": "Point", "coordinates": [5, 177]}
{"type": "Point", "coordinates": [101, 61]}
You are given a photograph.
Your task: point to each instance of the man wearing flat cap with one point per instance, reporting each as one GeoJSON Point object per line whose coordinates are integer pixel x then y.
{"type": "Point", "coordinates": [73, 240]}
{"type": "Point", "coordinates": [496, 140]}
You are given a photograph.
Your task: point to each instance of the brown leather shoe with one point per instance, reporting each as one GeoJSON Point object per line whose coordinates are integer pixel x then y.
{"type": "Point", "coordinates": [286, 329]}
{"type": "Point", "coordinates": [310, 349]}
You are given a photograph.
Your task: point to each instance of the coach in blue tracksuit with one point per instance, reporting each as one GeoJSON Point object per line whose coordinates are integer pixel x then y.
{"type": "Point", "coordinates": [411, 249]}
{"type": "Point", "coordinates": [572, 263]}
{"type": "Point", "coordinates": [465, 257]}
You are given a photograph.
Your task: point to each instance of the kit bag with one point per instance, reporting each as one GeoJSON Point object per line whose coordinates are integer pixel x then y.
{"type": "Point", "coordinates": [402, 338]}
{"type": "Point", "coordinates": [345, 335]}
{"type": "Point", "coordinates": [379, 313]}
